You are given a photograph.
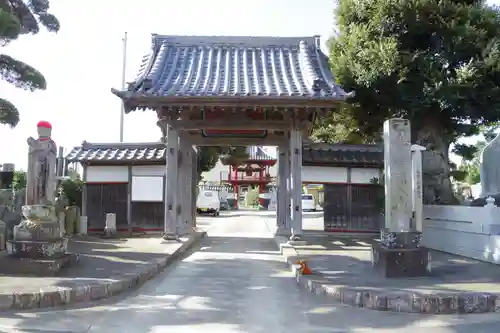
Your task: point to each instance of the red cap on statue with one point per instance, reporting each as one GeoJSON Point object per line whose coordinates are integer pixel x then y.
{"type": "Point", "coordinates": [44, 124]}
{"type": "Point", "coordinates": [44, 129]}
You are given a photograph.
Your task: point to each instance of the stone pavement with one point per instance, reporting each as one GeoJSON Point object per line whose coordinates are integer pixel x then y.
{"type": "Point", "coordinates": [235, 283]}
{"type": "Point", "coordinates": [107, 267]}
{"type": "Point", "coordinates": [342, 270]}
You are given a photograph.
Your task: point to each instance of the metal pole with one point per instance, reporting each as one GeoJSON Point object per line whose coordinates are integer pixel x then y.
{"type": "Point", "coordinates": [124, 69]}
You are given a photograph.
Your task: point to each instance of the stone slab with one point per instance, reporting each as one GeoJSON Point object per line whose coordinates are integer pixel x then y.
{"type": "Point", "coordinates": [36, 267]}
{"type": "Point", "coordinates": [93, 289]}
{"type": "Point", "coordinates": [390, 296]}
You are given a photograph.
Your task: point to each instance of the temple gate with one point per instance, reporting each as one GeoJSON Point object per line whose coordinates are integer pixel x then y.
{"type": "Point", "coordinates": [239, 91]}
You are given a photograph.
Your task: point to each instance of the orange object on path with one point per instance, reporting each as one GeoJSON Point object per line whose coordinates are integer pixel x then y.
{"type": "Point", "coordinates": [304, 268]}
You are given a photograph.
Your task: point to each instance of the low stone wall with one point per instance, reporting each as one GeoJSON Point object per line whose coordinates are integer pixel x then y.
{"type": "Point", "coordinates": [472, 232]}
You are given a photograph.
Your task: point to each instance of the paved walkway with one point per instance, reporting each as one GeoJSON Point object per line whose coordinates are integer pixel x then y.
{"type": "Point", "coordinates": [107, 267]}
{"type": "Point", "coordinates": [343, 269]}
{"type": "Point", "coordinates": [236, 283]}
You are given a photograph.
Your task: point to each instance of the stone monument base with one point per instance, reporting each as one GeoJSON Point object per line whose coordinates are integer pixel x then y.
{"type": "Point", "coordinates": [400, 262]}
{"type": "Point", "coordinates": [36, 266]}
{"type": "Point", "coordinates": [37, 249]}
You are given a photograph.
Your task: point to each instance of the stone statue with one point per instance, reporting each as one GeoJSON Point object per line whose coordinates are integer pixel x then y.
{"type": "Point", "coordinates": [490, 168]}
{"type": "Point", "coordinates": [41, 179]}
{"type": "Point", "coordinates": [40, 224]}
{"type": "Point", "coordinates": [39, 236]}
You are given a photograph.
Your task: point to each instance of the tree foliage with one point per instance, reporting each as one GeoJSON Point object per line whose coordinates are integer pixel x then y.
{"type": "Point", "coordinates": [72, 188]}
{"type": "Point", "coordinates": [341, 127]}
{"type": "Point", "coordinates": [207, 159]}
{"type": "Point", "coordinates": [18, 17]}
{"type": "Point", "coordinates": [19, 181]}
{"type": "Point", "coordinates": [208, 156]}
{"type": "Point", "coordinates": [436, 63]}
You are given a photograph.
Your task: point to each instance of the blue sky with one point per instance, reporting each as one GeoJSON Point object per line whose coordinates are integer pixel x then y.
{"type": "Point", "coordinates": [83, 61]}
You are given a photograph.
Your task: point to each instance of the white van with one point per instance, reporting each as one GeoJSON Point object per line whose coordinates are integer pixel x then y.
{"type": "Point", "coordinates": [308, 203]}
{"type": "Point", "coordinates": [208, 202]}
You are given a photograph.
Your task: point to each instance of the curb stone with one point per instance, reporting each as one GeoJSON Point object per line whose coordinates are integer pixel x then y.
{"type": "Point", "coordinates": [394, 301]}
{"type": "Point", "coordinates": [57, 296]}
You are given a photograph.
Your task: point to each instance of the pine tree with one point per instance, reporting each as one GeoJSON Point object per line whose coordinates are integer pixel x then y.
{"type": "Point", "coordinates": [18, 17]}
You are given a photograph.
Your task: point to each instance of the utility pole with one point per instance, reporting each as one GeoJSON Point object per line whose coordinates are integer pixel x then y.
{"type": "Point", "coordinates": [124, 69]}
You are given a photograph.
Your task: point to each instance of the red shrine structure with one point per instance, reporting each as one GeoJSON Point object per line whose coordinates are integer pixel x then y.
{"type": "Point", "coordinates": [254, 171]}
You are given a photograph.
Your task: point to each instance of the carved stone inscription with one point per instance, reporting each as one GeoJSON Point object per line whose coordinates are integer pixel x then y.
{"type": "Point", "coordinates": [397, 164]}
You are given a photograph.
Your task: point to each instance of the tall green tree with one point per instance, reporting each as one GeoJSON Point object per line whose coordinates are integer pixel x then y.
{"type": "Point", "coordinates": [340, 127]}
{"type": "Point", "coordinates": [18, 17]}
{"type": "Point", "coordinates": [436, 63]}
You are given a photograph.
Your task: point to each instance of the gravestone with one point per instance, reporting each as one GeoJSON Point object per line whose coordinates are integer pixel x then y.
{"type": "Point", "coordinates": [10, 213]}
{"type": "Point", "coordinates": [399, 253]}
{"type": "Point", "coordinates": [37, 246]}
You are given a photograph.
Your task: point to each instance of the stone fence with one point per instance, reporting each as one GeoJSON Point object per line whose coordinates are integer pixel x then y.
{"type": "Point", "coordinates": [472, 232]}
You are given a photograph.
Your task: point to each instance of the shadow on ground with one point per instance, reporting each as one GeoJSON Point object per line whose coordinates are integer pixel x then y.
{"type": "Point", "coordinates": [347, 261]}
{"type": "Point", "coordinates": [272, 300]}
{"type": "Point", "coordinates": [100, 259]}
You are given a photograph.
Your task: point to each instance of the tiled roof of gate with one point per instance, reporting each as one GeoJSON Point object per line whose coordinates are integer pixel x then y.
{"type": "Point", "coordinates": [236, 66]}
{"type": "Point", "coordinates": [118, 152]}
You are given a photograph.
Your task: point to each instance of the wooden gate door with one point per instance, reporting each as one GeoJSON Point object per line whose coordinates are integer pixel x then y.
{"type": "Point", "coordinates": [103, 199]}
{"type": "Point", "coordinates": [351, 208]}
{"type": "Point", "coordinates": [94, 207]}
{"type": "Point", "coordinates": [336, 207]}
{"type": "Point", "coordinates": [365, 213]}
{"type": "Point", "coordinates": [148, 216]}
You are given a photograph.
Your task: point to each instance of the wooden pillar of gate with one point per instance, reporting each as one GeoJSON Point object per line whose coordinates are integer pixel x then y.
{"type": "Point", "coordinates": [283, 211]}
{"type": "Point", "coordinates": [184, 186]}
{"type": "Point", "coordinates": [296, 182]}
{"type": "Point", "coordinates": [170, 225]}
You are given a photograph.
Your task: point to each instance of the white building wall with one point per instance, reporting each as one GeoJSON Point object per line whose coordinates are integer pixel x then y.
{"type": "Point", "coordinates": [214, 175]}
{"type": "Point", "coordinates": [149, 170]}
{"type": "Point", "coordinates": [364, 175]}
{"type": "Point", "coordinates": [325, 175]}
{"type": "Point", "coordinates": [319, 175]}
{"type": "Point", "coordinates": [147, 180]}
{"type": "Point", "coordinates": [107, 174]}
{"type": "Point", "coordinates": [472, 232]}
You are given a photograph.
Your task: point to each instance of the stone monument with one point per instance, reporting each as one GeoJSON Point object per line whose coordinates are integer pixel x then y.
{"type": "Point", "coordinates": [489, 168]}
{"type": "Point", "coordinates": [399, 253]}
{"type": "Point", "coordinates": [37, 246]}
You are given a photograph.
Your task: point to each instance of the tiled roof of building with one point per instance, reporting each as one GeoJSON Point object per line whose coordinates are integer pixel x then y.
{"type": "Point", "coordinates": [343, 154]}
{"type": "Point", "coordinates": [257, 153]}
{"type": "Point", "coordinates": [312, 154]}
{"type": "Point", "coordinates": [118, 152]}
{"type": "Point", "coordinates": [236, 66]}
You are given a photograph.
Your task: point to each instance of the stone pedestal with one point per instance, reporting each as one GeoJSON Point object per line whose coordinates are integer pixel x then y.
{"type": "Point", "coordinates": [37, 247]}
{"type": "Point", "coordinates": [401, 262]}
{"type": "Point", "coordinates": [399, 255]}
